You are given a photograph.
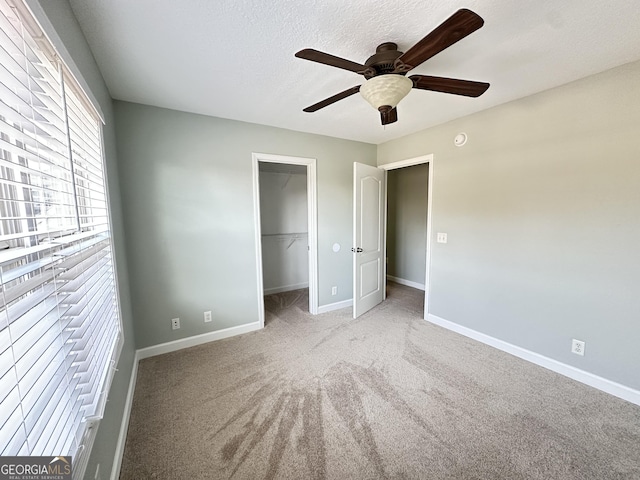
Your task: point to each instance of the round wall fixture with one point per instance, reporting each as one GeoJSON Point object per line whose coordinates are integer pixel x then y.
{"type": "Point", "coordinates": [336, 247]}
{"type": "Point", "coordinates": [460, 139]}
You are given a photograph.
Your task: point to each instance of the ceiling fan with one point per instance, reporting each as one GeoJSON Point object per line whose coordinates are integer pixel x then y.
{"type": "Point", "coordinates": [385, 70]}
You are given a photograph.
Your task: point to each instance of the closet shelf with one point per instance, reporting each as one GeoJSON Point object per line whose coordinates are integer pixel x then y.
{"type": "Point", "coordinates": [284, 234]}
{"type": "Point", "coordinates": [290, 237]}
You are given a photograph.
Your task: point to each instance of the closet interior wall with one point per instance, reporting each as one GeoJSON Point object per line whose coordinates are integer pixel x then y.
{"type": "Point", "coordinates": [407, 198]}
{"type": "Point", "coordinates": [284, 225]}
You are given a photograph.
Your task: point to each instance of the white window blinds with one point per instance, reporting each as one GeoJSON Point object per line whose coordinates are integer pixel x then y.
{"type": "Point", "coordinates": [59, 317]}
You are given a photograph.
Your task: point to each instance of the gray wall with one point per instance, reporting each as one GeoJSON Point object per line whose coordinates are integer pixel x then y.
{"type": "Point", "coordinates": [407, 222]}
{"type": "Point", "coordinates": [58, 21]}
{"type": "Point", "coordinates": [186, 180]}
{"type": "Point", "coordinates": [542, 211]}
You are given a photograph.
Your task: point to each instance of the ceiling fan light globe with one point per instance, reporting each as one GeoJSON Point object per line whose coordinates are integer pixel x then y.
{"type": "Point", "coordinates": [386, 90]}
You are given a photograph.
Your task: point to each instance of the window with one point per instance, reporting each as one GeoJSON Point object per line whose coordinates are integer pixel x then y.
{"type": "Point", "coordinates": [60, 331]}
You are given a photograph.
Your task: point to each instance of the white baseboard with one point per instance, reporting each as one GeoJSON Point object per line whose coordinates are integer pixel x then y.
{"type": "Point", "coordinates": [408, 283]}
{"type": "Point", "coordinates": [335, 306]}
{"type": "Point", "coordinates": [286, 288]}
{"type": "Point", "coordinates": [622, 391]}
{"type": "Point", "coordinates": [124, 425]}
{"type": "Point", "coordinates": [196, 340]}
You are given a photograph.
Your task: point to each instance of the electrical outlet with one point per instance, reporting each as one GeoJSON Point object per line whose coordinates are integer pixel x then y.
{"type": "Point", "coordinates": [334, 290]}
{"type": "Point", "coordinates": [175, 323]}
{"type": "Point", "coordinates": [207, 316]}
{"type": "Point", "coordinates": [577, 347]}
{"type": "Point", "coordinates": [441, 237]}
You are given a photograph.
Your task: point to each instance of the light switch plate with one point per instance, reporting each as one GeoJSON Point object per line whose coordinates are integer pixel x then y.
{"type": "Point", "coordinates": [441, 237]}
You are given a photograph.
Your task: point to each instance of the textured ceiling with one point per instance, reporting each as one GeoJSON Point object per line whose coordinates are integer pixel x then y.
{"type": "Point", "coordinates": [235, 58]}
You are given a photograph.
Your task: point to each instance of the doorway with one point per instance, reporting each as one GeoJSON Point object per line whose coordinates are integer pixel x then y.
{"type": "Point", "coordinates": [286, 227]}
{"type": "Point", "coordinates": [369, 229]}
{"type": "Point", "coordinates": [409, 189]}
{"type": "Point", "coordinates": [406, 230]}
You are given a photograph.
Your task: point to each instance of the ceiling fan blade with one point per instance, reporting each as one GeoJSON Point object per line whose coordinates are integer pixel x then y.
{"type": "Point", "coordinates": [331, 60]}
{"type": "Point", "coordinates": [468, 88]}
{"type": "Point", "coordinates": [453, 29]}
{"type": "Point", "coordinates": [389, 116]}
{"type": "Point", "coordinates": [328, 101]}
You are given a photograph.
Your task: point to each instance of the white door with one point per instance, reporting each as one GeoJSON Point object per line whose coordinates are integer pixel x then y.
{"type": "Point", "coordinates": [368, 237]}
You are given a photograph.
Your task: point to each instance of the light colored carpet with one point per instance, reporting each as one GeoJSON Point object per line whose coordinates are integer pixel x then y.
{"type": "Point", "coordinates": [385, 396]}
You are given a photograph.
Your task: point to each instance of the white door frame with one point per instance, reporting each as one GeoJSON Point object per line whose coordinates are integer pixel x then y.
{"type": "Point", "coordinates": [428, 159]}
{"type": "Point", "coordinates": [312, 224]}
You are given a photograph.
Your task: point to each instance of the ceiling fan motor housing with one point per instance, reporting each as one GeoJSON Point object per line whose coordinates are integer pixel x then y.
{"type": "Point", "coordinates": [383, 61]}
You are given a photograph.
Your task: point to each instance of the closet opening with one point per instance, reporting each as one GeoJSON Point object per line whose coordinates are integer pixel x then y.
{"type": "Point", "coordinates": [285, 233]}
